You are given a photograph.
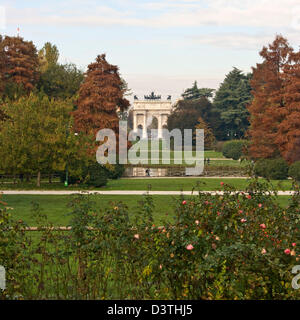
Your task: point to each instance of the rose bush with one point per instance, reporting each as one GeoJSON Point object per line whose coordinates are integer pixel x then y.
{"type": "Point", "coordinates": [235, 245]}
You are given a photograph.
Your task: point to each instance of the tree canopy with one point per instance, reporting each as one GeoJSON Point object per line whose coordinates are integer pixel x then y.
{"type": "Point", "coordinates": [19, 66]}
{"type": "Point", "coordinates": [101, 96]}
{"type": "Point", "coordinates": [231, 100]}
{"type": "Point", "coordinates": [270, 106]}
{"type": "Point", "coordinates": [36, 137]}
{"type": "Point", "coordinates": [194, 92]}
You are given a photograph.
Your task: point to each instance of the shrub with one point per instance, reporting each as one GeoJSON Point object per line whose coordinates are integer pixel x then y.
{"type": "Point", "coordinates": [115, 171]}
{"type": "Point", "coordinates": [218, 147]}
{"type": "Point", "coordinates": [72, 179]}
{"type": "Point", "coordinates": [276, 169]}
{"type": "Point", "coordinates": [238, 245]}
{"type": "Point", "coordinates": [234, 149]}
{"type": "Point", "coordinates": [294, 171]}
{"type": "Point", "coordinates": [95, 175]}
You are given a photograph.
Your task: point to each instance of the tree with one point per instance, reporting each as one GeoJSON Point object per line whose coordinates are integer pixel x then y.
{"type": "Point", "coordinates": [101, 96]}
{"type": "Point", "coordinates": [288, 136]}
{"type": "Point", "coordinates": [197, 93]}
{"type": "Point", "coordinates": [35, 142]}
{"type": "Point", "coordinates": [186, 113]}
{"type": "Point", "coordinates": [268, 106]}
{"type": "Point", "coordinates": [61, 81]}
{"type": "Point", "coordinates": [19, 70]}
{"type": "Point", "coordinates": [209, 138]}
{"type": "Point", "coordinates": [48, 56]}
{"type": "Point", "coordinates": [230, 101]}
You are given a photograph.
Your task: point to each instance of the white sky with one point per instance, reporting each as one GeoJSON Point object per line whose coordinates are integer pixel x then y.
{"type": "Point", "coordinates": [160, 46]}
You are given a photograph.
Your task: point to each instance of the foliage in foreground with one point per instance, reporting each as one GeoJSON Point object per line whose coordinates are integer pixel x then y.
{"type": "Point", "coordinates": [230, 246]}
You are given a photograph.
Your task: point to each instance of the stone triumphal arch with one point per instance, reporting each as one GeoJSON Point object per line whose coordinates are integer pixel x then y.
{"type": "Point", "coordinates": [152, 109]}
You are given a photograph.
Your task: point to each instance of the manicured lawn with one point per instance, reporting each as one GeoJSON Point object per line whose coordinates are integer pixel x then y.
{"type": "Point", "coordinates": [231, 163]}
{"type": "Point", "coordinates": [56, 207]}
{"type": "Point", "coordinates": [185, 184]}
{"type": "Point", "coordinates": [166, 184]}
{"type": "Point", "coordinates": [213, 154]}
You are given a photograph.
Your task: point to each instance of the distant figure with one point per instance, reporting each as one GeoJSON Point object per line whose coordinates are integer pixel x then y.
{"type": "Point", "coordinates": [169, 97]}
{"type": "Point", "coordinates": [148, 172]}
{"type": "Point", "coordinates": [208, 161]}
{"type": "Point", "coordinates": [136, 98]}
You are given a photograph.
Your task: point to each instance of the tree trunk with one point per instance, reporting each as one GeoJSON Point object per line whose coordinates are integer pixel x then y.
{"type": "Point", "coordinates": [50, 177]}
{"type": "Point", "coordinates": [38, 181]}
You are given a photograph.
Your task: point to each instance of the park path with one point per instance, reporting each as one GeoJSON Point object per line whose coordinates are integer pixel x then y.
{"type": "Point", "coordinates": [120, 192]}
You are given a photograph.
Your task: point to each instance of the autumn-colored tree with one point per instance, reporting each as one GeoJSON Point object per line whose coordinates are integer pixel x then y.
{"type": "Point", "coordinates": [209, 138]}
{"type": "Point", "coordinates": [20, 67]}
{"type": "Point", "coordinates": [288, 136]}
{"type": "Point", "coordinates": [268, 106]}
{"type": "Point", "coordinates": [101, 96]}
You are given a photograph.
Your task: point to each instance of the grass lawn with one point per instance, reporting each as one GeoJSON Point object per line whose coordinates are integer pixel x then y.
{"type": "Point", "coordinates": [167, 184]}
{"type": "Point", "coordinates": [213, 154]}
{"type": "Point", "coordinates": [56, 207]}
{"type": "Point", "coordinates": [185, 184]}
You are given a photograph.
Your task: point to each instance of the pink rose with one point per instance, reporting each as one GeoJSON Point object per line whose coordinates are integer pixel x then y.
{"type": "Point", "coordinates": [189, 247]}
{"type": "Point", "coordinates": [160, 266]}
{"type": "Point", "coordinates": [136, 236]}
{"type": "Point", "coordinates": [263, 226]}
{"type": "Point", "coordinates": [222, 183]}
{"type": "Point", "coordinates": [243, 220]}
{"type": "Point", "coordinates": [184, 202]}
{"type": "Point", "coordinates": [248, 196]}
{"type": "Point", "coordinates": [287, 251]}
{"type": "Point", "coordinates": [260, 205]}
{"type": "Point", "coordinates": [263, 251]}
{"type": "Point", "coordinates": [294, 244]}
{"type": "Point", "coordinates": [197, 222]}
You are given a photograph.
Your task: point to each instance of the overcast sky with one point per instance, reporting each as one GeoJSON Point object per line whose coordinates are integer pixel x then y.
{"type": "Point", "coordinates": [160, 46]}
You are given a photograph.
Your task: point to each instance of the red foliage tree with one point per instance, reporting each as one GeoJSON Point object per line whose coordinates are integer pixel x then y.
{"type": "Point", "coordinates": [19, 62]}
{"type": "Point", "coordinates": [268, 106]}
{"type": "Point", "coordinates": [288, 137]}
{"type": "Point", "coordinates": [101, 96]}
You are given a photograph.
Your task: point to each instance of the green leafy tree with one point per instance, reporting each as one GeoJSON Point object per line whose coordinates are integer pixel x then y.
{"type": "Point", "coordinates": [61, 81]}
{"type": "Point", "coordinates": [48, 56]}
{"type": "Point", "coordinates": [37, 137]}
{"type": "Point", "coordinates": [231, 102]}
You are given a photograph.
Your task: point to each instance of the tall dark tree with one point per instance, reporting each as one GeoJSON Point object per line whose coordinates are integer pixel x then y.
{"type": "Point", "coordinates": [187, 112]}
{"type": "Point", "coordinates": [231, 101]}
{"type": "Point", "coordinates": [101, 96]}
{"type": "Point", "coordinates": [194, 92]}
{"type": "Point", "coordinates": [20, 66]}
